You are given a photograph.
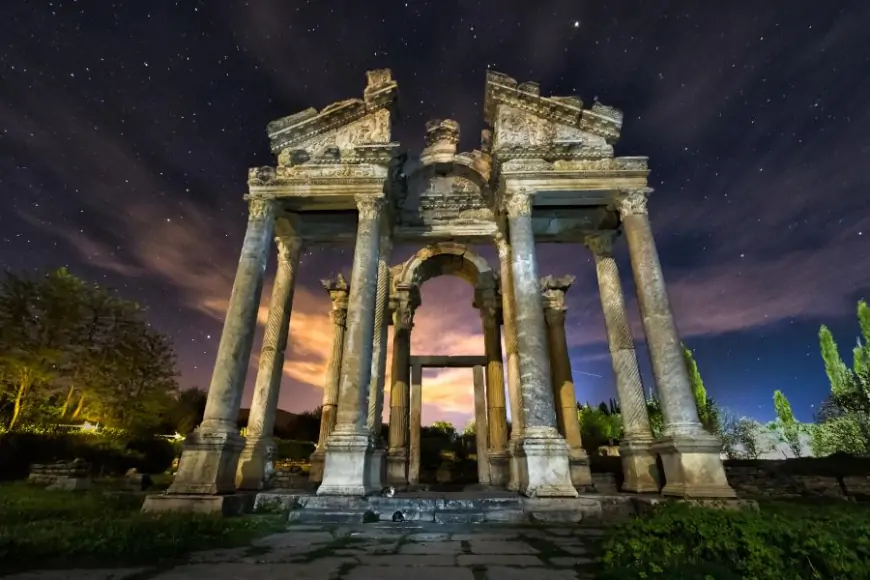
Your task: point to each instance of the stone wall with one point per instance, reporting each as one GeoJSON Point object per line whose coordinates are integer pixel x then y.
{"type": "Point", "coordinates": [779, 479]}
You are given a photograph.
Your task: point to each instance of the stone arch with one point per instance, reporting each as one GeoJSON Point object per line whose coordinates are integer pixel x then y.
{"type": "Point", "coordinates": [450, 259]}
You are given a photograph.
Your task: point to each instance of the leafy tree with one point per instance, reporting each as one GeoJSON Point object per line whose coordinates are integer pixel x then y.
{"type": "Point", "coordinates": [188, 410]}
{"type": "Point", "coordinates": [743, 437]}
{"type": "Point", "coordinates": [445, 427]}
{"type": "Point", "coordinates": [707, 408]}
{"type": "Point", "coordinates": [786, 426]}
{"type": "Point", "coordinates": [598, 428]}
{"type": "Point", "coordinates": [470, 428]}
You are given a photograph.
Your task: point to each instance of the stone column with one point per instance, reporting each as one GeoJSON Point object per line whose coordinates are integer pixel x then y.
{"type": "Point", "coordinates": [516, 463]}
{"type": "Point", "coordinates": [211, 453]}
{"type": "Point", "coordinates": [379, 362]}
{"type": "Point", "coordinates": [554, 290]}
{"type": "Point", "coordinates": [416, 419]}
{"type": "Point", "coordinates": [639, 469]}
{"type": "Point", "coordinates": [257, 461]}
{"type": "Point", "coordinates": [499, 470]}
{"type": "Point", "coordinates": [481, 429]}
{"type": "Point", "coordinates": [338, 294]}
{"type": "Point", "coordinates": [546, 455]}
{"type": "Point", "coordinates": [690, 455]}
{"type": "Point", "coordinates": [397, 455]}
{"type": "Point", "coordinates": [348, 449]}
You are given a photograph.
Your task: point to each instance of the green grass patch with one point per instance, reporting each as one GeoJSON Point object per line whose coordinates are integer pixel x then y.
{"type": "Point", "coordinates": [783, 541]}
{"type": "Point", "coordinates": [46, 529]}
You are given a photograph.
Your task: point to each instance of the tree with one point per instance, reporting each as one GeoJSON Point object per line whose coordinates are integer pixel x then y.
{"type": "Point", "coordinates": [707, 408]}
{"type": "Point", "coordinates": [470, 428]}
{"type": "Point", "coordinates": [444, 427]}
{"type": "Point", "coordinates": [188, 410]}
{"type": "Point", "coordinates": [597, 427]}
{"type": "Point", "coordinates": [743, 438]}
{"type": "Point", "coordinates": [786, 426]}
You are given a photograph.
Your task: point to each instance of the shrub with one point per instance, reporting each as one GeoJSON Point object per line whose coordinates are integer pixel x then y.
{"type": "Point", "coordinates": [783, 541]}
{"type": "Point", "coordinates": [156, 454]}
{"type": "Point", "coordinates": [290, 449]}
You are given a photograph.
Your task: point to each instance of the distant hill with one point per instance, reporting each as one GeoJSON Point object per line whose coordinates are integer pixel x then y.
{"type": "Point", "coordinates": [302, 427]}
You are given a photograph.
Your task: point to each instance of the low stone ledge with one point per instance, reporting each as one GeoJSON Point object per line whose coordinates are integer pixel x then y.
{"type": "Point", "coordinates": [236, 504]}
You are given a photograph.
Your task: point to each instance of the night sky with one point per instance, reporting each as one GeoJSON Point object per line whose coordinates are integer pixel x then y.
{"type": "Point", "coordinates": [126, 131]}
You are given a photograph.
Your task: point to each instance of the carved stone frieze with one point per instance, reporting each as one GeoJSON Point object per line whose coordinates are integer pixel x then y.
{"type": "Point", "coordinates": [343, 124]}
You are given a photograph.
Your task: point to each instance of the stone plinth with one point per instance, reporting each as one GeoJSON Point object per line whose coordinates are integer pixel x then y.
{"type": "Point", "coordinates": [227, 505]}
{"type": "Point", "coordinates": [693, 468]}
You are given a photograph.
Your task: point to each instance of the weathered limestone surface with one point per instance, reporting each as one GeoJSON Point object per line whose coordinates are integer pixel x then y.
{"type": "Point", "coordinates": [416, 423]}
{"type": "Point", "coordinates": [690, 456]}
{"type": "Point", "coordinates": [546, 454]}
{"type": "Point", "coordinates": [211, 453]}
{"type": "Point", "coordinates": [638, 460]}
{"type": "Point", "coordinates": [481, 429]}
{"type": "Point", "coordinates": [257, 460]}
{"type": "Point", "coordinates": [554, 290]}
{"type": "Point", "coordinates": [338, 293]}
{"type": "Point", "coordinates": [516, 464]}
{"type": "Point", "coordinates": [400, 393]}
{"type": "Point", "coordinates": [348, 449]}
{"type": "Point", "coordinates": [496, 412]}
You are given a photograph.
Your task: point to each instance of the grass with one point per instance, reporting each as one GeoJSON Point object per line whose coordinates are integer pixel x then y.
{"type": "Point", "coordinates": [45, 529]}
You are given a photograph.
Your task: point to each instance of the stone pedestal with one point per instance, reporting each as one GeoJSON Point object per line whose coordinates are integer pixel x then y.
{"type": "Point", "coordinates": [690, 456]}
{"type": "Point", "coordinates": [693, 467]}
{"type": "Point", "coordinates": [338, 293]}
{"type": "Point", "coordinates": [347, 469]}
{"type": "Point", "coordinates": [211, 453]}
{"type": "Point", "coordinates": [546, 454]}
{"type": "Point", "coordinates": [257, 461]}
{"type": "Point", "coordinates": [639, 466]}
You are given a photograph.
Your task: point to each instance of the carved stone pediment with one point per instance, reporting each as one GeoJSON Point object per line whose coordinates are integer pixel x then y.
{"type": "Point", "coordinates": [524, 120]}
{"type": "Point", "coordinates": [339, 127]}
{"type": "Point", "coordinates": [445, 199]}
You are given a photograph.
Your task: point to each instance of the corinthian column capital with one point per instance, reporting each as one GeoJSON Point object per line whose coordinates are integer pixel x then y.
{"type": "Point", "coordinates": [288, 247]}
{"type": "Point", "coordinates": [553, 291]}
{"type": "Point", "coordinates": [632, 201]}
{"type": "Point", "coordinates": [600, 243]}
{"type": "Point", "coordinates": [339, 290]}
{"type": "Point", "coordinates": [369, 207]}
{"type": "Point", "coordinates": [518, 203]}
{"type": "Point", "coordinates": [260, 208]}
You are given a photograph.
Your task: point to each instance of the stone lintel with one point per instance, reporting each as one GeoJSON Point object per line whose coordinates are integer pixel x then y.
{"type": "Point", "coordinates": [448, 361]}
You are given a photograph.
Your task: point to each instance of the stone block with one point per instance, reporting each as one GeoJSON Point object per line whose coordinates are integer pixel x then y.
{"type": "Point", "coordinates": [408, 560]}
{"type": "Point", "coordinates": [505, 573]}
{"type": "Point", "coordinates": [547, 472]}
{"type": "Point", "coordinates": [639, 467]}
{"type": "Point", "coordinates": [432, 548]}
{"type": "Point", "coordinates": [572, 561]}
{"type": "Point", "coordinates": [693, 467]}
{"type": "Point", "coordinates": [315, 570]}
{"type": "Point", "coordinates": [501, 547]}
{"type": "Point", "coordinates": [66, 483]}
{"type": "Point", "coordinates": [369, 573]}
{"type": "Point", "coordinates": [208, 464]}
{"type": "Point", "coordinates": [347, 467]}
{"type": "Point", "coordinates": [498, 560]}
{"type": "Point", "coordinates": [227, 505]}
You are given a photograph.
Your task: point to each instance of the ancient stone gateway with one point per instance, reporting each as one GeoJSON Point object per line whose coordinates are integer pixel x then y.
{"type": "Point", "coordinates": [545, 172]}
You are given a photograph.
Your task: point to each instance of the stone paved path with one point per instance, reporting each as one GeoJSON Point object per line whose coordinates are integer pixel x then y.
{"type": "Point", "coordinates": [383, 552]}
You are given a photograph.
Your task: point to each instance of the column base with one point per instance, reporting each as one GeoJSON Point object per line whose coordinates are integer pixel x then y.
{"type": "Point", "coordinates": [578, 463]}
{"type": "Point", "coordinates": [693, 466]}
{"type": "Point", "coordinates": [639, 467]}
{"type": "Point", "coordinates": [546, 471]}
{"type": "Point", "coordinates": [256, 470]}
{"type": "Point", "coordinates": [499, 468]}
{"type": "Point", "coordinates": [208, 464]}
{"type": "Point", "coordinates": [347, 466]}
{"type": "Point", "coordinates": [317, 459]}
{"type": "Point", "coordinates": [377, 468]}
{"type": "Point", "coordinates": [397, 467]}
{"type": "Point", "coordinates": [516, 465]}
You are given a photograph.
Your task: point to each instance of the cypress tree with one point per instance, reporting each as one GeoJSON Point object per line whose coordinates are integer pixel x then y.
{"type": "Point", "coordinates": [837, 371]}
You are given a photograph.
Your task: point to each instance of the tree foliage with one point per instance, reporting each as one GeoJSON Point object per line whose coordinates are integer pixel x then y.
{"type": "Point", "coordinates": [786, 427]}
{"type": "Point", "coordinates": [843, 423]}
{"type": "Point", "coordinates": [71, 351]}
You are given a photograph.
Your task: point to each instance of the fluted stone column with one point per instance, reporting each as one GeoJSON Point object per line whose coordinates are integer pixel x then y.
{"type": "Point", "coordinates": [211, 453]}
{"type": "Point", "coordinates": [257, 461]}
{"type": "Point", "coordinates": [400, 394]}
{"type": "Point", "coordinates": [516, 463]}
{"type": "Point", "coordinates": [416, 424]}
{"type": "Point", "coordinates": [499, 470]}
{"type": "Point", "coordinates": [379, 362]}
{"type": "Point", "coordinates": [338, 293]}
{"type": "Point", "coordinates": [690, 455]}
{"type": "Point", "coordinates": [640, 474]}
{"type": "Point", "coordinates": [348, 448]}
{"type": "Point", "coordinates": [546, 454]}
{"type": "Point", "coordinates": [553, 290]}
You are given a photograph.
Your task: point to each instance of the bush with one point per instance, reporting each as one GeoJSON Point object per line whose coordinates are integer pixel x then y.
{"type": "Point", "coordinates": [783, 541]}
{"type": "Point", "coordinates": [292, 450]}
{"type": "Point", "coordinates": [109, 453]}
